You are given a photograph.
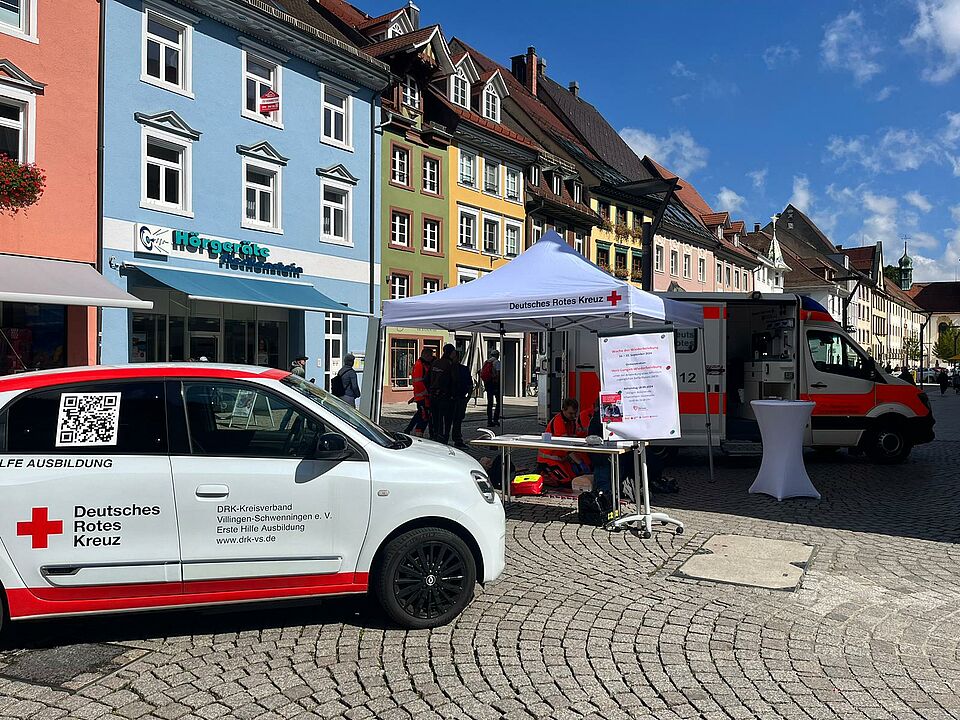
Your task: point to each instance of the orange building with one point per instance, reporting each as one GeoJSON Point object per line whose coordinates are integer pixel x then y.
{"type": "Point", "coordinates": [49, 102]}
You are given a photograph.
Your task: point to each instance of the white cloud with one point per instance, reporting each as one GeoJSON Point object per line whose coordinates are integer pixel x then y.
{"type": "Point", "coordinates": [758, 178]}
{"type": "Point", "coordinates": [678, 150]}
{"type": "Point", "coordinates": [847, 45]}
{"type": "Point", "coordinates": [785, 54]}
{"type": "Point", "coordinates": [682, 71]}
{"type": "Point", "coordinates": [950, 135]}
{"type": "Point", "coordinates": [802, 197]}
{"type": "Point", "coordinates": [937, 33]}
{"type": "Point", "coordinates": [680, 99]}
{"type": "Point", "coordinates": [730, 200]}
{"type": "Point", "coordinates": [955, 213]}
{"type": "Point", "coordinates": [920, 240]}
{"type": "Point", "coordinates": [918, 201]}
{"type": "Point", "coordinates": [896, 150]}
{"type": "Point", "coordinates": [885, 92]}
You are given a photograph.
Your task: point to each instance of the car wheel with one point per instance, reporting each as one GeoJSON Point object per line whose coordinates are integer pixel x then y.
{"type": "Point", "coordinates": [888, 445]}
{"type": "Point", "coordinates": [426, 578]}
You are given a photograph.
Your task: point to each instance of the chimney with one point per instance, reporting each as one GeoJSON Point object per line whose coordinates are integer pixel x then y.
{"type": "Point", "coordinates": [574, 88]}
{"type": "Point", "coordinates": [518, 68]}
{"type": "Point", "coordinates": [839, 246]}
{"type": "Point", "coordinates": [530, 72]}
{"type": "Point", "coordinates": [413, 13]}
{"type": "Point", "coordinates": [541, 66]}
{"type": "Point", "coordinates": [756, 227]}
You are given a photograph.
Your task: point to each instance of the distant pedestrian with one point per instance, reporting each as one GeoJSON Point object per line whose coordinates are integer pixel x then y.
{"type": "Point", "coordinates": [444, 378]}
{"type": "Point", "coordinates": [906, 375]}
{"type": "Point", "coordinates": [944, 381]}
{"type": "Point", "coordinates": [299, 366]}
{"type": "Point", "coordinates": [349, 381]}
{"type": "Point", "coordinates": [464, 391]}
{"type": "Point", "coordinates": [490, 376]}
{"type": "Point", "coordinates": [420, 376]}
{"type": "Point", "coordinates": [956, 381]}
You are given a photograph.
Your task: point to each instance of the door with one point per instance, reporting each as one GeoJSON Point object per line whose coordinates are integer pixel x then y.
{"type": "Point", "coordinates": [690, 345]}
{"type": "Point", "coordinates": [251, 501]}
{"type": "Point", "coordinates": [88, 490]}
{"type": "Point", "coordinates": [204, 345]}
{"type": "Point", "coordinates": [840, 380]}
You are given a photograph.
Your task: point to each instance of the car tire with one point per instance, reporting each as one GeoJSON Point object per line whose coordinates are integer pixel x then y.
{"type": "Point", "coordinates": [425, 578]}
{"type": "Point", "coordinates": [888, 444]}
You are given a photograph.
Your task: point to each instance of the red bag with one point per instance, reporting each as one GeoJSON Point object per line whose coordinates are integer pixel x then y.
{"type": "Point", "coordinates": [527, 485]}
{"type": "Point", "coordinates": [486, 372]}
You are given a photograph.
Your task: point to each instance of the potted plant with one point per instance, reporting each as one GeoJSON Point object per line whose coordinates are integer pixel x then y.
{"type": "Point", "coordinates": [621, 273]}
{"type": "Point", "coordinates": [21, 185]}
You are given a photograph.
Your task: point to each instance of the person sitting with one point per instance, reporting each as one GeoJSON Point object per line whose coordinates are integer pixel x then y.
{"type": "Point", "coordinates": [560, 467]}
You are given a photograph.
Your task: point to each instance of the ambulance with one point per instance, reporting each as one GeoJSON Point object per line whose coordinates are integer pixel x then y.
{"type": "Point", "coordinates": [143, 487]}
{"type": "Point", "coordinates": [784, 346]}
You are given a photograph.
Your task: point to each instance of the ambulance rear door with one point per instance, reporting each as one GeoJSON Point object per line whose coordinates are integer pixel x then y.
{"type": "Point", "coordinates": [690, 347]}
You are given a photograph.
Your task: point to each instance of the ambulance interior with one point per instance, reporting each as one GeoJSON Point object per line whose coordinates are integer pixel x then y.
{"type": "Point", "coordinates": [761, 362]}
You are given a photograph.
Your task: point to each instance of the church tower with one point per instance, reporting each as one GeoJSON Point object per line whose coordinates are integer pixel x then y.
{"type": "Point", "coordinates": [906, 269]}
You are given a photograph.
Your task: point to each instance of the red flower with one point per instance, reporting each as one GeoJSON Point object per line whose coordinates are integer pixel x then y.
{"type": "Point", "coordinates": [21, 185]}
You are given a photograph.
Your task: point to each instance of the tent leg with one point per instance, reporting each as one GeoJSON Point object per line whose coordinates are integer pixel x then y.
{"type": "Point", "coordinates": [706, 400]}
{"type": "Point", "coordinates": [500, 407]}
{"type": "Point", "coordinates": [380, 360]}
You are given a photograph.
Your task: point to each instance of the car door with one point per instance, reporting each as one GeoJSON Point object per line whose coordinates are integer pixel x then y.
{"type": "Point", "coordinates": [839, 379]}
{"type": "Point", "coordinates": [252, 500]}
{"type": "Point", "coordinates": [88, 492]}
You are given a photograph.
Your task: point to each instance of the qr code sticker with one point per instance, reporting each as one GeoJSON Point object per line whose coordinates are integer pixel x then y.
{"type": "Point", "coordinates": [88, 419]}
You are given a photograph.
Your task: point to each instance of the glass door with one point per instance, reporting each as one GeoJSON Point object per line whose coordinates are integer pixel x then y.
{"type": "Point", "coordinates": [204, 346]}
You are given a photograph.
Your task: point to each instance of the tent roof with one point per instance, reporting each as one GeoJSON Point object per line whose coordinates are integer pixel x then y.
{"type": "Point", "coordinates": [549, 286]}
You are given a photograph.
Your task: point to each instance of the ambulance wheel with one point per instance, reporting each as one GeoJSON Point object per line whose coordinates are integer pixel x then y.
{"type": "Point", "coordinates": [888, 444]}
{"type": "Point", "coordinates": [426, 578]}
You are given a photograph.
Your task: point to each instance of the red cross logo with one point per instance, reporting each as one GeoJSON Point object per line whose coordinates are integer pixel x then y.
{"type": "Point", "coordinates": [614, 298]}
{"type": "Point", "coordinates": [40, 527]}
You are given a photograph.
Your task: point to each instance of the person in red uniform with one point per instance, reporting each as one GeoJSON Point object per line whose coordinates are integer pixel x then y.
{"type": "Point", "coordinates": [419, 375]}
{"type": "Point", "coordinates": [560, 467]}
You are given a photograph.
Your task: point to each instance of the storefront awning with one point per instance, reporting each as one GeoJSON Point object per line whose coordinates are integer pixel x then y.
{"type": "Point", "coordinates": [216, 287]}
{"type": "Point", "coordinates": [60, 282]}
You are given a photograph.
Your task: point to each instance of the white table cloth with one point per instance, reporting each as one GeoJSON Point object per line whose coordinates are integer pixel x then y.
{"type": "Point", "coordinates": [782, 473]}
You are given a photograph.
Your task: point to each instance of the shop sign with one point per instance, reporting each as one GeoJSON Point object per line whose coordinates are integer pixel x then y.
{"type": "Point", "coordinates": [269, 102]}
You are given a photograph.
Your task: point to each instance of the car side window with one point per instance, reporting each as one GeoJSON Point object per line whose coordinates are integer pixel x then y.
{"type": "Point", "coordinates": [832, 353]}
{"type": "Point", "coordinates": [124, 418]}
{"type": "Point", "coordinates": [244, 421]}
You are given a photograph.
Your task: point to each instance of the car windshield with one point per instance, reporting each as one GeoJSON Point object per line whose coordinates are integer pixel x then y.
{"type": "Point", "coordinates": [340, 409]}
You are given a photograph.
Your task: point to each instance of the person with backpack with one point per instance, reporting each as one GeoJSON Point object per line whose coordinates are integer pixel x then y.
{"type": "Point", "coordinates": [420, 376]}
{"type": "Point", "coordinates": [490, 376]}
{"type": "Point", "coordinates": [444, 379]}
{"type": "Point", "coordinates": [345, 384]}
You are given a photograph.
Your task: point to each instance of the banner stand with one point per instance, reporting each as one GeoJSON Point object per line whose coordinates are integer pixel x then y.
{"type": "Point", "coordinates": [641, 485]}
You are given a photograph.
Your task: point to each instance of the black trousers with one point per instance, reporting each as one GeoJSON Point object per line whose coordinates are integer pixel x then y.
{"type": "Point", "coordinates": [493, 402]}
{"type": "Point", "coordinates": [444, 411]}
{"type": "Point", "coordinates": [459, 412]}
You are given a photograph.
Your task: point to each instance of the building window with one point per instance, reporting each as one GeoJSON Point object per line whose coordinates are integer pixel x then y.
{"type": "Point", "coordinates": [431, 175]}
{"type": "Point", "coordinates": [460, 89]}
{"type": "Point", "coordinates": [603, 207]}
{"type": "Point", "coordinates": [719, 274]}
{"type": "Point", "coordinates": [336, 215]}
{"type": "Point", "coordinates": [165, 171]}
{"type": "Point", "coordinates": [736, 279]}
{"type": "Point", "coordinates": [399, 286]}
{"type": "Point", "coordinates": [580, 243]}
{"type": "Point", "coordinates": [537, 230]}
{"type": "Point", "coordinates": [674, 263]}
{"type": "Point", "coordinates": [261, 197]}
{"type": "Point", "coordinates": [658, 258]}
{"type": "Point", "coordinates": [400, 166]}
{"type": "Point", "coordinates": [431, 285]}
{"type": "Point", "coordinates": [403, 355]}
{"type": "Point", "coordinates": [726, 275]}
{"type": "Point", "coordinates": [514, 179]}
{"type": "Point", "coordinates": [166, 52]}
{"type": "Point", "coordinates": [561, 231]}
{"type": "Point", "coordinates": [577, 192]}
{"type": "Point", "coordinates": [686, 265]}
{"type": "Point", "coordinates": [621, 216]}
{"type": "Point", "coordinates": [491, 104]}
{"type": "Point", "coordinates": [556, 183]}
{"type": "Point", "coordinates": [511, 239]}
{"type": "Point", "coordinates": [468, 168]}
{"type": "Point", "coordinates": [12, 131]}
{"type": "Point", "coordinates": [702, 269]}
{"type": "Point", "coordinates": [17, 18]}
{"type": "Point", "coordinates": [603, 257]}
{"type": "Point", "coordinates": [400, 229]}
{"type": "Point", "coordinates": [411, 92]}
{"type": "Point", "coordinates": [431, 236]}
{"type": "Point", "coordinates": [336, 117]}
{"type": "Point", "coordinates": [491, 176]}
{"type": "Point", "coordinates": [491, 236]}
{"type": "Point", "coordinates": [468, 230]}
{"type": "Point", "coordinates": [332, 346]}
{"type": "Point", "coordinates": [534, 175]}
{"type": "Point", "coordinates": [260, 76]}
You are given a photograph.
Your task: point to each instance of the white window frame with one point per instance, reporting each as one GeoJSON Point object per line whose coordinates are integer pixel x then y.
{"type": "Point", "coordinates": [433, 189]}
{"type": "Point", "coordinates": [466, 274]}
{"type": "Point", "coordinates": [726, 275]}
{"type": "Point", "coordinates": [556, 183]}
{"type": "Point", "coordinates": [347, 94]}
{"type": "Point", "coordinates": [185, 209]}
{"type": "Point", "coordinates": [509, 225]}
{"type": "Point", "coordinates": [461, 212]}
{"type": "Point", "coordinates": [265, 57]}
{"type": "Point", "coordinates": [395, 284]}
{"type": "Point", "coordinates": [276, 211]}
{"type": "Point", "coordinates": [437, 224]}
{"type": "Point", "coordinates": [27, 102]}
{"type": "Point", "coordinates": [736, 279]}
{"type": "Point", "coordinates": [460, 75]}
{"type": "Point", "coordinates": [658, 258]}
{"type": "Point", "coordinates": [347, 191]}
{"type": "Point", "coordinates": [687, 266]}
{"type": "Point", "coordinates": [471, 156]}
{"type": "Point", "coordinates": [489, 163]}
{"type": "Point", "coordinates": [491, 103]}
{"type": "Point", "coordinates": [394, 214]}
{"type": "Point", "coordinates": [181, 21]}
{"type": "Point", "coordinates": [516, 175]}
{"type": "Point", "coordinates": [580, 243]}
{"type": "Point", "coordinates": [491, 221]}
{"type": "Point", "coordinates": [534, 175]}
{"type": "Point", "coordinates": [674, 263]}
{"type": "Point", "coordinates": [702, 269]}
{"type": "Point", "coordinates": [431, 280]}
{"type": "Point", "coordinates": [577, 192]}
{"type": "Point", "coordinates": [27, 30]}
{"type": "Point", "coordinates": [410, 92]}
{"type": "Point", "coordinates": [395, 166]}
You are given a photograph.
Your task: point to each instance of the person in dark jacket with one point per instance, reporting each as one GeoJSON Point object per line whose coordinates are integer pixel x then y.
{"type": "Point", "coordinates": [905, 375]}
{"type": "Point", "coordinates": [464, 391]}
{"type": "Point", "coordinates": [944, 381]}
{"type": "Point", "coordinates": [351, 384]}
{"type": "Point", "coordinates": [444, 380]}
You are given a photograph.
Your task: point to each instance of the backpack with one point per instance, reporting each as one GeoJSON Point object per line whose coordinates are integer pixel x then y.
{"type": "Point", "coordinates": [594, 508]}
{"type": "Point", "coordinates": [486, 372]}
{"type": "Point", "coordinates": [336, 386]}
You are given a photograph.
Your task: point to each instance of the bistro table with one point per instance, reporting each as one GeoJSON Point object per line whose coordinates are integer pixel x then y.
{"type": "Point", "coordinates": [782, 473]}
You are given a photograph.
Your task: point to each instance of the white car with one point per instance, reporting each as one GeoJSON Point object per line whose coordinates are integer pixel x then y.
{"type": "Point", "coordinates": [159, 486]}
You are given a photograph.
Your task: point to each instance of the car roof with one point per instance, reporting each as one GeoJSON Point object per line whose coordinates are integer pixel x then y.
{"type": "Point", "coordinates": [100, 373]}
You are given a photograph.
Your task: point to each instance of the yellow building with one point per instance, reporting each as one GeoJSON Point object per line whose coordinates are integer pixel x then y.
{"type": "Point", "coordinates": [616, 244]}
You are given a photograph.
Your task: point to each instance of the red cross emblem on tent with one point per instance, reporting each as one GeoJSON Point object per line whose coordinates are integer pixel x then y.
{"type": "Point", "coordinates": [40, 527]}
{"type": "Point", "coordinates": [614, 298]}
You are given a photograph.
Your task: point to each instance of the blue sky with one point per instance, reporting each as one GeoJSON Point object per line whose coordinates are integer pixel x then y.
{"type": "Point", "coordinates": [850, 110]}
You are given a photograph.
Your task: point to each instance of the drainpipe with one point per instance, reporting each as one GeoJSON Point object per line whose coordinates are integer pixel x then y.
{"type": "Point", "coordinates": [101, 62]}
{"type": "Point", "coordinates": [374, 276]}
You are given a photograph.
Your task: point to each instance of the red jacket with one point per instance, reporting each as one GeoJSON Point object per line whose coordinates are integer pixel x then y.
{"type": "Point", "coordinates": [419, 376]}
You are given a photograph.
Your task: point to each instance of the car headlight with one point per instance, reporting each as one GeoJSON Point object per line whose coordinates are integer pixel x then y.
{"type": "Point", "coordinates": [484, 486]}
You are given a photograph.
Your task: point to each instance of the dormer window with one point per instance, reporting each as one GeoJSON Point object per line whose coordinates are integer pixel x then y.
{"type": "Point", "coordinates": [460, 89]}
{"type": "Point", "coordinates": [534, 175]}
{"type": "Point", "coordinates": [411, 92]}
{"type": "Point", "coordinates": [491, 104]}
{"type": "Point", "coordinates": [720, 231]}
{"type": "Point", "coordinates": [395, 30]}
{"type": "Point", "coordinates": [577, 192]}
{"type": "Point", "coordinates": [556, 183]}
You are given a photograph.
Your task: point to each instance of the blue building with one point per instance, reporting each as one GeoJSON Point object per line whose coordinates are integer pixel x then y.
{"type": "Point", "coordinates": [240, 190]}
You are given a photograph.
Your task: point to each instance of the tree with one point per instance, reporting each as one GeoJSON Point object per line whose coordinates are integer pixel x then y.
{"type": "Point", "coordinates": [948, 343]}
{"type": "Point", "coordinates": [911, 349]}
{"type": "Point", "coordinates": [892, 272]}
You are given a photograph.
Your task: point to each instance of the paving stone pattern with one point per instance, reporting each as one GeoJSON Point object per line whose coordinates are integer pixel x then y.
{"type": "Point", "coordinates": [586, 624]}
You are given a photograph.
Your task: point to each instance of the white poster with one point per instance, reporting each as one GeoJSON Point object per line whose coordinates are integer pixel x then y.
{"type": "Point", "coordinates": [638, 382]}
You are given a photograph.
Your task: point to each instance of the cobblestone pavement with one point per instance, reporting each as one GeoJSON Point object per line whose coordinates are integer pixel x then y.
{"type": "Point", "coordinates": [589, 624]}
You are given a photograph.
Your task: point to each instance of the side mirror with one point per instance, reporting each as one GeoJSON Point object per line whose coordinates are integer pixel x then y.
{"type": "Point", "coordinates": [331, 446]}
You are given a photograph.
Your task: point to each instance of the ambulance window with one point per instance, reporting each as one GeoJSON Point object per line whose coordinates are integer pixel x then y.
{"type": "Point", "coordinates": [835, 354]}
{"type": "Point", "coordinates": [236, 420]}
{"type": "Point", "coordinates": [85, 419]}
